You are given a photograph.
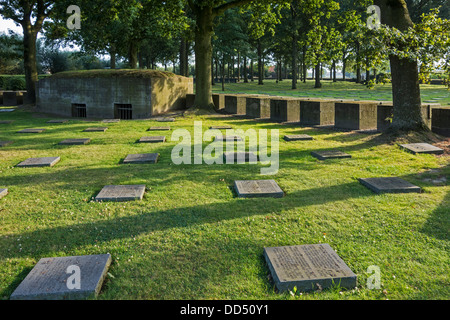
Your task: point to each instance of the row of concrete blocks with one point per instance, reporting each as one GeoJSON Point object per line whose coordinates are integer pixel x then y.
{"type": "Point", "coordinates": [342, 114]}
{"type": "Point", "coordinates": [12, 98]}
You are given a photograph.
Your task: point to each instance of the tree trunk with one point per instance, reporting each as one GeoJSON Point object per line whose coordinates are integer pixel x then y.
{"type": "Point", "coordinates": [251, 70]}
{"type": "Point", "coordinates": [203, 55]}
{"type": "Point", "coordinates": [358, 64]}
{"type": "Point", "coordinates": [334, 71]}
{"type": "Point", "coordinates": [294, 60]}
{"type": "Point", "coordinates": [184, 58]}
{"type": "Point", "coordinates": [29, 55]}
{"type": "Point", "coordinates": [317, 84]}
{"type": "Point", "coordinates": [407, 114]}
{"type": "Point", "coordinates": [212, 73]}
{"type": "Point", "coordinates": [112, 53]}
{"type": "Point", "coordinates": [344, 63]}
{"type": "Point", "coordinates": [260, 64]}
{"type": "Point", "coordinates": [223, 73]}
{"type": "Point", "coordinates": [133, 55]}
{"type": "Point", "coordinates": [245, 70]}
{"type": "Point", "coordinates": [239, 67]}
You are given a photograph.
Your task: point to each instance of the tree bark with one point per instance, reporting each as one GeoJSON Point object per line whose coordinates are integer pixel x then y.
{"type": "Point", "coordinates": [29, 55]}
{"type": "Point", "coordinates": [133, 55]}
{"type": "Point", "coordinates": [112, 53]}
{"type": "Point", "coordinates": [294, 61]}
{"type": "Point", "coordinates": [203, 55]}
{"type": "Point", "coordinates": [407, 114]}
{"type": "Point", "coordinates": [245, 70]}
{"type": "Point", "coordinates": [317, 84]}
{"type": "Point", "coordinates": [260, 64]}
{"type": "Point", "coordinates": [358, 64]}
{"type": "Point", "coordinates": [239, 67]}
{"type": "Point", "coordinates": [184, 58]}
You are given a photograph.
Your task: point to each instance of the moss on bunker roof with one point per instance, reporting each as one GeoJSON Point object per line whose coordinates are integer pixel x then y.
{"type": "Point", "coordinates": [119, 73]}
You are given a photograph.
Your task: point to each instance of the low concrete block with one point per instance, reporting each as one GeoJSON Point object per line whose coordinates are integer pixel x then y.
{"type": "Point", "coordinates": [56, 278]}
{"type": "Point", "coordinates": [257, 189]}
{"type": "Point", "coordinates": [356, 116]}
{"type": "Point", "coordinates": [3, 192]}
{"type": "Point", "coordinates": [285, 109]}
{"type": "Point", "coordinates": [258, 107]}
{"type": "Point", "coordinates": [9, 98]}
{"type": "Point", "coordinates": [40, 162]}
{"type": "Point", "coordinates": [317, 112]}
{"type": "Point", "coordinates": [5, 143]}
{"type": "Point", "coordinates": [440, 122]}
{"type": "Point", "coordinates": [308, 267]}
{"type": "Point", "coordinates": [235, 104]}
{"type": "Point", "coordinates": [389, 185]}
{"type": "Point", "coordinates": [121, 193]}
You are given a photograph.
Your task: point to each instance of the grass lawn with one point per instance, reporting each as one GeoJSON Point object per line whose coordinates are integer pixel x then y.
{"type": "Point", "coordinates": [192, 238]}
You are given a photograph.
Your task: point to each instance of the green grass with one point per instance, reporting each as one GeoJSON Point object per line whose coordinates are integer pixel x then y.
{"type": "Point", "coordinates": [191, 238]}
{"type": "Point", "coordinates": [337, 90]}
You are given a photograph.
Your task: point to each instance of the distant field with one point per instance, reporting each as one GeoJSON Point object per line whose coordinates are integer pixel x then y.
{"type": "Point", "coordinates": [338, 90]}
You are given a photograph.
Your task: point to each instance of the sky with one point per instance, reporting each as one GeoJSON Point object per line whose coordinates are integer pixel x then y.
{"type": "Point", "coordinates": [9, 24]}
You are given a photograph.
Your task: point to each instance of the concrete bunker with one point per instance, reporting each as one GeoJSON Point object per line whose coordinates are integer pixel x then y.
{"type": "Point", "coordinates": [113, 94]}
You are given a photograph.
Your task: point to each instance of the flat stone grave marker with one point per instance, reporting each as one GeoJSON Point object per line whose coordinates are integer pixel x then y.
{"type": "Point", "coordinates": [56, 278]}
{"type": "Point", "coordinates": [389, 185]}
{"type": "Point", "coordinates": [221, 127]}
{"type": "Point", "coordinates": [258, 188]}
{"type": "Point", "coordinates": [422, 148]}
{"type": "Point", "coordinates": [97, 129]}
{"type": "Point", "coordinates": [6, 121]}
{"type": "Point", "coordinates": [7, 110]}
{"type": "Point", "coordinates": [3, 192]}
{"type": "Point", "coordinates": [31, 131]}
{"type": "Point", "coordinates": [154, 139]}
{"type": "Point", "coordinates": [72, 142]}
{"type": "Point", "coordinates": [308, 267]}
{"type": "Point", "coordinates": [330, 154]}
{"type": "Point", "coordinates": [142, 158]}
{"type": "Point", "coordinates": [40, 162]}
{"type": "Point", "coordinates": [111, 120]}
{"type": "Point", "coordinates": [159, 129]}
{"type": "Point", "coordinates": [121, 193]}
{"type": "Point", "coordinates": [5, 143]}
{"type": "Point", "coordinates": [297, 137]}
{"type": "Point", "coordinates": [239, 157]}
{"type": "Point", "coordinates": [227, 138]}
{"type": "Point", "coordinates": [58, 121]}
{"type": "Point", "coordinates": [165, 119]}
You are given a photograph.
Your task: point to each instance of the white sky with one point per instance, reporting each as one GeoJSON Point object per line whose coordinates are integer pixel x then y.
{"type": "Point", "coordinates": [9, 24]}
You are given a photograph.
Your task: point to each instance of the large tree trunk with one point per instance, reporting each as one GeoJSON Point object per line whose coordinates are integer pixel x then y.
{"type": "Point", "coordinates": [203, 54]}
{"type": "Point", "coordinates": [317, 74]}
{"type": "Point", "coordinates": [405, 76]}
{"type": "Point", "coordinates": [358, 63]}
{"type": "Point", "coordinates": [31, 74]}
{"type": "Point", "coordinates": [184, 58]}
{"type": "Point", "coordinates": [112, 53]}
{"type": "Point", "coordinates": [133, 55]}
{"type": "Point", "coordinates": [294, 61]}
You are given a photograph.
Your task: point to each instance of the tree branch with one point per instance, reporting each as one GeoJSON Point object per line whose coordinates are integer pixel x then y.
{"type": "Point", "coordinates": [228, 5]}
